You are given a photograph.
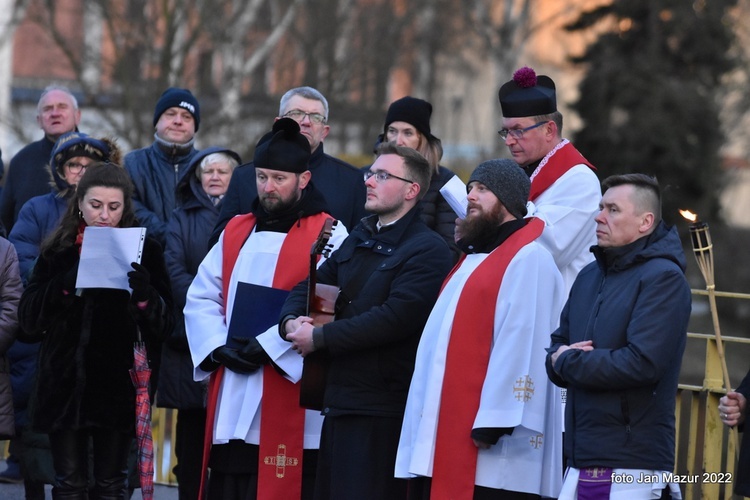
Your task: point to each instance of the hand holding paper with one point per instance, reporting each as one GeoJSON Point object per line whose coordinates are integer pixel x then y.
{"type": "Point", "coordinates": [139, 281]}
{"type": "Point", "coordinates": [106, 254]}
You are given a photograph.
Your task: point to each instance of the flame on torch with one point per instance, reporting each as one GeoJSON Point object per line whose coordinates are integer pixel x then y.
{"type": "Point", "coordinates": [703, 249]}
{"type": "Point", "coordinates": [689, 215]}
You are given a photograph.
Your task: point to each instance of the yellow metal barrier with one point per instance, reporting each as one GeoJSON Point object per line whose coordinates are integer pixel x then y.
{"type": "Point", "coordinates": [163, 425]}
{"type": "Point", "coordinates": [706, 450]}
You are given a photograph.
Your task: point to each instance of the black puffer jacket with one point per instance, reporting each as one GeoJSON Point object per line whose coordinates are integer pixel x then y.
{"type": "Point", "coordinates": [437, 214]}
{"type": "Point", "coordinates": [634, 303]}
{"type": "Point", "coordinates": [742, 479]}
{"type": "Point", "coordinates": [87, 343]}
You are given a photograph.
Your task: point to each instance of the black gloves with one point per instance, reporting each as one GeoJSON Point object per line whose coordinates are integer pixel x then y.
{"type": "Point", "coordinates": [245, 360]}
{"type": "Point", "coordinates": [490, 435]}
{"type": "Point", "coordinates": [251, 350]}
{"type": "Point", "coordinates": [232, 360]}
{"type": "Point", "coordinates": [139, 280]}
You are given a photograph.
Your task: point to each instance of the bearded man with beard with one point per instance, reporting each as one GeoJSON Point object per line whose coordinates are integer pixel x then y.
{"type": "Point", "coordinates": [482, 421]}
{"type": "Point", "coordinates": [231, 314]}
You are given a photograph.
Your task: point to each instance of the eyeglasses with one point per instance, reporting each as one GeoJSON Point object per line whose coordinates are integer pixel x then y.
{"type": "Point", "coordinates": [381, 176]}
{"type": "Point", "coordinates": [75, 167]}
{"type": "Point", "coordinates": [517, 133]}
{"type": "Point", "coordinates": [298, 115]}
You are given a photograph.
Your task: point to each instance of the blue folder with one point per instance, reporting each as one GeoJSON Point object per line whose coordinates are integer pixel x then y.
{"type": "Point", "coordinates": [256, 308]}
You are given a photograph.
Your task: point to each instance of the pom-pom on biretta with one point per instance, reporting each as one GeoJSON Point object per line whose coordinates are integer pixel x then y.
{"type": "Point", "coordinates": [525, 77]}
{"type": "Point", "coordinates": [527, 95]}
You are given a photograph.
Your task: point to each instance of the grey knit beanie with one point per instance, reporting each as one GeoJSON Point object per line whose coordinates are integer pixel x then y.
{"type": "Point", "coordinates": [507, 180]}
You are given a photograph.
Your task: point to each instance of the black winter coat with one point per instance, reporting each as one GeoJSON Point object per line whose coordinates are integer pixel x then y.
{"type": "Point", "coordinates": [437, 213]}
{"type": "Point", "coordinates": [742, 476]}
{"type": "Point", "coordinates": [389, 282]}
{"type": "Point", "coordinates": [635, 305]}
{"type": "Point", "coordinates": [187, 244]}
{"type": "Point", "coordinates": [341, 184]}
{"type": "Point", "coordinates": [27, 177]}
{"type": "Point", "coordinates": [87, 343]}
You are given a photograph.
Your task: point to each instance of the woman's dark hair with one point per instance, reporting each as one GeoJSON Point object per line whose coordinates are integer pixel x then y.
{"type": "Point", "coordinates": [100, 174]}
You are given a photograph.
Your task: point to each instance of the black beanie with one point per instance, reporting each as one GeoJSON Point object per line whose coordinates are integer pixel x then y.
{"type": "Point", "coordinates": [411, 110]}
{"type": "Point", "coordinates": [507, 180]}
{"type": "Point", "coordinates": [179, 98]}
{"type": "Point", "coordinates": [283, 148]}
{"type": "Point", "coordinates": [527, 95]}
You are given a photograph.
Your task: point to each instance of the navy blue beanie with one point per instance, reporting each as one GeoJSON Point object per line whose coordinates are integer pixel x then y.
{"type": "Point", "coordinates": [178, 98]}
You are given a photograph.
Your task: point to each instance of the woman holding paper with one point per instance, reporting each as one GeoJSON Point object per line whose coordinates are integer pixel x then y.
{"type": "Point", "coordinates": [84, 390]}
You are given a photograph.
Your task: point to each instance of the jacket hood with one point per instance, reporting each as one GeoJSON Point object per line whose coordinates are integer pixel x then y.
{"type": "Point", "coordinates": [663, 243]}
{"type": "Point", "coordinates": [186, 189]}
{"type": "Point", "coordinates": [61, 187]}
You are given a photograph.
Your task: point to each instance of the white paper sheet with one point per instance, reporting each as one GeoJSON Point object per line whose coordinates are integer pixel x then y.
{"type": "Point", "coordinates": [106, 255]}
{"type": "Point", "coordinates": [454, 192]}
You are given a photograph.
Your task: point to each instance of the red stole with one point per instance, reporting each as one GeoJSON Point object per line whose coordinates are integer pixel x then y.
{"type": "Point", "coordinates": [455, 464]}
{"type": "Point", "coordinates": [282, 419]}
{"type": "Point", "coordinates": [557, 165]}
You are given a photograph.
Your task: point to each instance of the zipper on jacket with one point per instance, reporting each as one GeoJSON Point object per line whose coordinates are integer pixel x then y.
{"type": "Point", "coordinates": [595, 312]}
{"type": "Point", "coordinates": [625, 415]}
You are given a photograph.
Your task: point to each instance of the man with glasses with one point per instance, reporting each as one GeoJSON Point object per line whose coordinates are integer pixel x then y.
{"type": "Point", "coordinates": [389, 271]}
{"type": "Point", "coordinates": [340, 183]}
{"type": "Point", "coordinates": [565, 191]}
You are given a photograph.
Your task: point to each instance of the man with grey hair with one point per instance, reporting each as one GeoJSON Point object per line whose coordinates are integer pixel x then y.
{"type": "Point", "coordinates": [57, 113]}
{"type": "Point", "coordinates": [340, 183]}
{"type": "Point", "coordinates": [28, 176]}
{"type": "Point", "coordinates": [482, 420]}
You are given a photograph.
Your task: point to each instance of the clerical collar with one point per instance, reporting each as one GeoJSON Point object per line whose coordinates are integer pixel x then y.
{"type": "Point", "coordinates": [531, 167]}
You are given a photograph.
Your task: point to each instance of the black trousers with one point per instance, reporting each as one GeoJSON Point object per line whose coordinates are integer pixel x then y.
{"type": "Point", "coordinates": [70, 455]}
{"type": "Point", "coordinates": [357, 459]}
{"type": "Point", "coordinates": [420, 487]}
{"type": "Point", "coordinates": [191, 427]}
{"type": "Point", "coordinates": [234, 472]}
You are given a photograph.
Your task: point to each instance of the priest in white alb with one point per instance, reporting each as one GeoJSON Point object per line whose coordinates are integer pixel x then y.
{"type": "Point", "coordinates": [482, 420]}
{"type": "Point", "coordinates": [258, 446]}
